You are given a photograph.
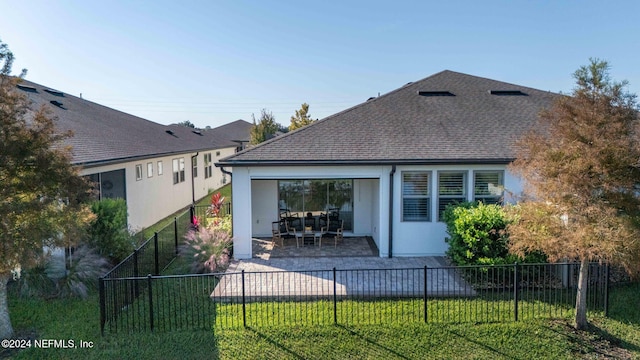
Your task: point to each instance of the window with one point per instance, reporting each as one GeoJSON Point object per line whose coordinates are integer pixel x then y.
{"type": "Point", "coordinates": [159, 168]}
{"type": "Point", "coordinates": [217, 153]}
{"type": "Point", "coordinates": [138, 172]}
{"type": "Point", "coordinates": [488, 186]}
{"type": "Point", "coordinates": [149, 169]}
{"type": "Point", "coordinates": [416, 196]}
{"type": "Point", "coordinates": [452, 189]}
{"type": "Point", "coordinates": [178, 170]}
{"type": "Point", "coordinates": [194, 164]}
{"type": "Point", "coordinates": [208, 169]}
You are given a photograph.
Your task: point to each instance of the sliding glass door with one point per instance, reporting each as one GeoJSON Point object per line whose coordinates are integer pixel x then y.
{"type": "Point", "coordinates": [309, 199]}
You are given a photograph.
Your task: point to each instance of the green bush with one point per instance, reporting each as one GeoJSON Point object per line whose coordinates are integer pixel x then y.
{"type": "Point", "coordinates": [109, 233]}
{"type": "Point", "coordinates": [477, 235]}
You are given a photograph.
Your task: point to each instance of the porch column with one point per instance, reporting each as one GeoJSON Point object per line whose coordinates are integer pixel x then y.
{"type": "Point", "coordinates": [241, 197]}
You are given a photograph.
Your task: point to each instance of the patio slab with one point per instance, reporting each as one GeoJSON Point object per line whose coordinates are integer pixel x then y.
{"type": "Point", "coordinates": [311, 278]}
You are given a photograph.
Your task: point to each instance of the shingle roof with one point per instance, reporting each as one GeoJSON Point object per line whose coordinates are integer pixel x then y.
{"type": "Point", "coordinates": [472, 125]}
{"type": "Point", "coordinates": [105, 135]}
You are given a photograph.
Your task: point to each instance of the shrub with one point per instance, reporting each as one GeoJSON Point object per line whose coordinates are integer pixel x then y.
{"type": "Point", "coordinates": [208, 248]}
{"type": "Point", "coordinates": [477, 235]}
{"type": "Point", "coordinates": [108, 233]}
{"type": "Point", "coordinates": [74, 277]}
{"type": "Point", "coordinates": [83, 268]}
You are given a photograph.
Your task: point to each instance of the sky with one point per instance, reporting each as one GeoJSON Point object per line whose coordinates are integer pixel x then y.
{"type": "Point", "coordinates": [213, 62]}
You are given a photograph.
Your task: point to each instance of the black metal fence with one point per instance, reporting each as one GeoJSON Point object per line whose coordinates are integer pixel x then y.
{"type": "Point", "coordinates": [371, 296]}
{"type": "Point", "coordinates": [200, 211]}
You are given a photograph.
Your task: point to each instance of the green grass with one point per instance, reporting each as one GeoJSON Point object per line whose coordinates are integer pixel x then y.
{"type": "Point", "coordinates": [146, 233]}
{"type": "Point", "coordinates": [534, 338]}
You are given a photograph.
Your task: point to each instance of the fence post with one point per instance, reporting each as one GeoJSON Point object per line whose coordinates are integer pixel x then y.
{"type": "Point", "coordinates": [606, 290]}
{"type": "Point", "coordinates": [136, 288]}
{"type": "Point", "coordinates": [150, 301]}
{"type": "Point", "coordinates": [244, 309]}
{"type": "Point", "coordinates": [516, 285]}
{"type": "Point", "coordinates": [175, 233]}
{"type": "Point", "coordinates": [156, 267]}
{"type": "Point", "coordinates": [425, 293]}
{"type": "Point", "coordinates": [335, 298]}
{"type": "Point", "coordinates": [103, 310]}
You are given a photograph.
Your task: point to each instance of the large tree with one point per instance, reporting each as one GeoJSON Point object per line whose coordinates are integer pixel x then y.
{"type": "Point", "coordinates": [581, 167]}
{"type": "Point", "coordinates": [265, 128]}
{"type": "Point", "coordinates": [301, 118]}
{"type": "Point", "coordinates": [40, 191]}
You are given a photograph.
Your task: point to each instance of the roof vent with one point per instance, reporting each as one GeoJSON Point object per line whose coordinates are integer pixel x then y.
{"type": "Point", "coordinates": [54, 92]}
{"type": "Point", "coordinates": [371, 98]}
{"type": "Point", "coordinates": [56, 103]}
{"type": "Point", "coordinates": [435, 93]}
{"type": "Point", "coordinates": [27, 88]}
{"type": "Point", "coordinates": [197, 132]}
{"type": "Point", "coordinates": [507, 92]}
{"type": "Point", "coordinates": [169, 132]}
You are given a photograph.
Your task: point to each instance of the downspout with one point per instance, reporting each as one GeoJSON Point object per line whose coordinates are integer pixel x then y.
{"type": "Point", "coordinates": [193, 182]}
{"type": "Point", "coordinates": [393, 171]}
{"type": "Point", "coordinates": [231, 183]}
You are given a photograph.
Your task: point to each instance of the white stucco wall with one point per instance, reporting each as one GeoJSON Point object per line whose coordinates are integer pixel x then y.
{"type": "Point", "coordinates": [428, 238]}
{"type": "Point", "coordinates": [255, 197]}
{"type": "Point", "coordinates": [154, 198]}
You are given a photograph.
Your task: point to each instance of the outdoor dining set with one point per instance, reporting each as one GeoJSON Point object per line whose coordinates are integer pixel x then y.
{"type": "Point", "coordinates": [327, 226]}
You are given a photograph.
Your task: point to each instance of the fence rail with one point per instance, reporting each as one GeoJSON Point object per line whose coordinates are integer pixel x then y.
{"type": "Point", "coordinates": [340, 296]}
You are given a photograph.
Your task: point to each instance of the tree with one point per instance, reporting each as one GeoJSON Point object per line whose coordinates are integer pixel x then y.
{"type": "Point", "coordinates": [582, 170]}
{"type": "Point", "coordinates": [301, 118]}
{"type": "Point", "coordinates": [187, 123]}
{"type": "Point", "coordinates": [265, 128]}
{"type": "Point", "coordinates": [40, 191]}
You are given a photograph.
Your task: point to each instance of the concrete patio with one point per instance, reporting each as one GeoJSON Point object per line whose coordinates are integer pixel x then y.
{"type": "Point", "coordinates": [311, 277]}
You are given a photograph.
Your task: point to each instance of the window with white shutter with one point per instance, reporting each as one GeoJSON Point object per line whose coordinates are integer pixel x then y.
{"type": "Point", "coordinates": [416, 196]}
{"type": "Point", "coordinates": [488, 186]}
{"type": "Point", "coordinates": [452, 189]}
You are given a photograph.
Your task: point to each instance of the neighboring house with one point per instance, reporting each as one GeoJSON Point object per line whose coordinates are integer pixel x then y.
{"type": "Point", "coordinates": [157, 169]}
{"type": "Point", "coordinates": [391, 164]}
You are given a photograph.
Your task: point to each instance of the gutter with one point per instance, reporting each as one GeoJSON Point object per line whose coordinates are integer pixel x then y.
{"type": "Point", "coordinates": [393, 171]}
{"type": "Point", "coordinates": [501, 161]}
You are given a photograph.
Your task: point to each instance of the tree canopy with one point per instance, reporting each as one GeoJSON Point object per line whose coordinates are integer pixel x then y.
{"type": "Point", "coordinates": [581, 167]}
{"type": "Point", "coordinates": [40, 191]}
{"type": "Point", "coordinates": [301, 118]}
{"type": "Point", "coordinates": [265, 128]}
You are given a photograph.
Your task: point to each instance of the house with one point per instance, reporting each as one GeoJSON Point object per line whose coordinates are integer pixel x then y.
{"type": "Point", "coordinates": [157, 169]}
{"type": "Point", "coordinates": [390, 165]}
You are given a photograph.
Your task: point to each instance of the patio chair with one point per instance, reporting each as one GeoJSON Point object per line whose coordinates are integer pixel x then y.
{"type": "Point", "coordinates": [299, 237]}
{"type": "Point", "coordinates": [276, 234]}
{"type": "Point", "coordinates": [339, 237]}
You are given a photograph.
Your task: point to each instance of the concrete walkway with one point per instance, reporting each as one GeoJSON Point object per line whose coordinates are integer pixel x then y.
{"type": "Point", "coordinates": [310, 278]}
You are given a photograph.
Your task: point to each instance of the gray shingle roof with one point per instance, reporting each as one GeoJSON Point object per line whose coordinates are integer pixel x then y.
{"type": "Point", "coordinates": [105, 135]}
{"type": "Point", "coordinates": [473, 126]}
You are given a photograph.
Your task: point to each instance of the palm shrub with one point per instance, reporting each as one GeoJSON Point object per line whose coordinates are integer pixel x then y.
{"type": "Point", "coordinates": [108, 232]}
{"type": "Point", "coordinates": [83, 268]}
{"type": "Point", "coordinates": [75, 277]}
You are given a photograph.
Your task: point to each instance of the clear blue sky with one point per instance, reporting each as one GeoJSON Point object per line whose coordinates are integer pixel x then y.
{"type": "Point", "coordinates": [212, 62]}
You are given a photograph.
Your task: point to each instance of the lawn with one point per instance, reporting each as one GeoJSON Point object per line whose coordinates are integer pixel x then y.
{"type": "Point", "coordinates": [618, 336]}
